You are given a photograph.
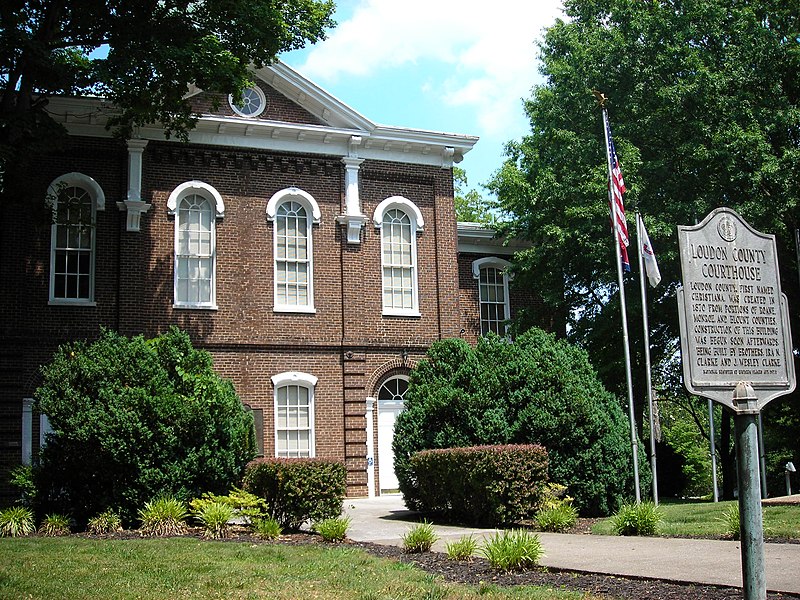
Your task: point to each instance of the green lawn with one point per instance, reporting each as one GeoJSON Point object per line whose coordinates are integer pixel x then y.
{"type": "Point", "coordinates": [705, 519]}
{"type": "Point", "coordinates": [79, 568]}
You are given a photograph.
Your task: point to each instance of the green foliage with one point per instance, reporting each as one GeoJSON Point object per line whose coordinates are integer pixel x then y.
{"type": "Point", "coordinates": [513, 550]}
{"type": "Point", "coordinates": [155, 51]}
{"type": "Point", "coordinates": [470, 206]}
{"type": "Point", "coordinates": [481, 485]}
{"type": "Point", "coordinates": [731, 521]}
{"type": "Point", "coordinates": [559, 518]}
{"type": "Point", "coordinates": [16, 521]}
{"type": "Point", "coordinates": [637, 519]}
{"type": "Point", "coordinates": [214, 517]}
{"type": "Point", "coordinates": [244, 505]}
{"type": "Point", "coordinates": [297, 490]}
{"type": "Point", "coordinates": [164, 516]}
{"type": "Point", "coordinates": [21, 478]}
{"type": "Point", "coordinates": [267, 528]}
{"type": "Point", "coordinates": [135, 418]}
{"type": "Point", "coordinates": [106, 522]}
{"type": "Point", "coordinates": [332, 530]}
{"type": "Point", "coordinates": [54, 525]}
{"type": "Point", "coordinates": [536, 389]}
{"type": "Point", "coordinates": [420, 538]}
{"type": "Point", "coordinates": [462, 549]}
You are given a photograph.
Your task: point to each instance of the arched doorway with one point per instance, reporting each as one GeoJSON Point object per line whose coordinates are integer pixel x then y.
{"type": "Point", "coordinates": [390, 404]}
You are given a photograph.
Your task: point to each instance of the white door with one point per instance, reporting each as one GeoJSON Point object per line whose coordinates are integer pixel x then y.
{"type": "Point", "coordinates": [390, 404]}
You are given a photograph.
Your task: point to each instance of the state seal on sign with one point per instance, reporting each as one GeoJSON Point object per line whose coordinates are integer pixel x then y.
{"type": "Point", "coordinates": [727, 229]}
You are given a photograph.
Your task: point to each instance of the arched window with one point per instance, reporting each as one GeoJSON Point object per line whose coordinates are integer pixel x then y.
{"type": "Point", "coordinates": [196, 206]}
{"type": "Point", "coordinates": [293, 212]}
{"type": "Point", "coordinates": [495, 310]}
{"type": "Point", "coordinates": [294, 414]}
{"type": "Point", "coordinates": [75, 199]}
{"type": "Point", "coordinates": [399, 220]}
{"type": "Point", "coordinates": [393, 389]}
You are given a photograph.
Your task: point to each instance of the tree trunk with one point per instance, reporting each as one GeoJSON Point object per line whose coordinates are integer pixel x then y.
{"type": "Point", "coordinates": [727, 457]}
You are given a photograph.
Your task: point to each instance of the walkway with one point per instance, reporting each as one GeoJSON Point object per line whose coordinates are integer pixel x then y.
{"type": "Point", "coordinates": [384, 520]}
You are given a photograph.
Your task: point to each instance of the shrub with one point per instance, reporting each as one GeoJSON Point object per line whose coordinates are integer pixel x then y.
{"type": "Point", "coordinates": [463, 549]}
{"type": "Point", "coordinates": [54, 525]}
{"type": "Point", "coordinates": [637, 519]}
{"type": "Point", "coordinates": [297, 490]}
{"type": "Point", "coordinates": [535, 390]}
{"type": "Point", "coordinates": [419, 538]}
{"type": "Point", "coordinates": [484, 485]}
{"type": "Point", "coordinates": [266, 528]}
{"type": "Point", "coordinates": [513, 550]}
{"type": "Point", "coordinates": [21, 477]}
{"type": "Point", "coordinates": [214, 517]}
{"type": "Point", "coordinates": [245, 506]}
{"type": "Point", "coordinates": [164, 516]}
{"type": "Point", "coordinates": [133, 418]}
{"type": "Point", "coordinates": [731, 520]}
{"type": "Point", "coordinates": [16, 521]}
{"type": "Point", "coordinates": [332, 530]}
{"type": "Point", "coordinates": [106, 522]}
{"type": "Point", "coordinates": [558, 519]}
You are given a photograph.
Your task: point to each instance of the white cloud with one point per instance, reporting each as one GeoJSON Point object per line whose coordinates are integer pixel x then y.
{"type": "Point", "coordinates": [486, 48]}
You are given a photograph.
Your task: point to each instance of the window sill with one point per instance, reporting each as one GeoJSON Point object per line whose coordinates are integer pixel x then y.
{"type": "Point", "coordinates": [401, 313]}
{"type": "Point", "coordinates": [195, 306]}
{"type": "Point", "coordinates": [58, 302]}
{"type": "Point", "coordinates": [284, 308]}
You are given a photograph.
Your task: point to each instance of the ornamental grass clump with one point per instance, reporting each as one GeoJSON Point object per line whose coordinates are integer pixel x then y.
{"type": "Point", "coordinates": [513, 550]}
{"type": "Point", "coordinates": [558, 519]}
{"type": "Point", "coordinates": [54, 525]}
{"type": "Point", "coordinates": [637, 519]}
{"type": "Point", "coordinates": [105, 523]}
{"type": "Point", "coordinates": [16, 521]}
{"type": "Point", "coordinates": [462, 549]}
{"type": "Point", "coordinates": [332, 530]}
{"type": "Point", "coordinates": [419, 538]}
{"type": "Point", "coordinates": [164, 516]}
{"type": "Point", "coordinates": [730, 518]}
{"type": "Point", "coordinates": [267, 528]}
{"type": "Point", "coordinates": [214, 518]}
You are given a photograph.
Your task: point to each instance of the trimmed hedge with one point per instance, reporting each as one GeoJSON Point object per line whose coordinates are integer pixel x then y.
{"type": "Point", "coordinates": [481, 485]}
{"type": "Point", "coordinates": [297, 490]}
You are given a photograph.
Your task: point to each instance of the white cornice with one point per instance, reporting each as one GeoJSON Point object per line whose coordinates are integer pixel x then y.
{"type": "Point", "coordinates": [480, 239]}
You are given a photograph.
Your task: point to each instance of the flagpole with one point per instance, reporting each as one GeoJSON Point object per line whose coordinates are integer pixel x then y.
{"type": "Point", "coordinates": [647, 360]}
{"type": "Point", "coordinates": [634, 444]}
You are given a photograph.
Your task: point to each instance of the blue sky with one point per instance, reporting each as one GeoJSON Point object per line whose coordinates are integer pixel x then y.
{"type": "Point", "coordinates": [429, 64]}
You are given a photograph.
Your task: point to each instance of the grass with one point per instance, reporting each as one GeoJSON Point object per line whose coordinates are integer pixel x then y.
{"type": "Point", "coordinates": [149, 569]}
{"type": "Point", "coordinates": [706, 519]}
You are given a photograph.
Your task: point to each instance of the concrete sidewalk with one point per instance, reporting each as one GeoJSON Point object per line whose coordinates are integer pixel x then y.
{"type": "Point", "coordinates": [384, 520]}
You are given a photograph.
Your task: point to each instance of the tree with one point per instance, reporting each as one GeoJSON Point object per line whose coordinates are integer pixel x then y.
{"type": "Point", "coordinates": [535, 390]}
{"type": "Point", "coordinates": [705, 109]}
{"type": "Point", "coordinates": [155, 50]}
{"type": "Point", "coordinates": [133, 418]}
{"type": "Point", "coordinates": [471, 207]}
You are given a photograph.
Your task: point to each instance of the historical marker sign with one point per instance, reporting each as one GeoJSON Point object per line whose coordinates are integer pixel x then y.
{"type": "Point", "coordinates": [733, 316]}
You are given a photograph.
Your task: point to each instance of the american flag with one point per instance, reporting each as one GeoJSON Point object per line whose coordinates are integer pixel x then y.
{"type": "Point", "coordinates": [617, 186]}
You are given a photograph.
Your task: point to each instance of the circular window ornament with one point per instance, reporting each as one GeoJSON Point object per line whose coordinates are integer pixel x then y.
{"type": "Point", "coordinates": [252, 104]}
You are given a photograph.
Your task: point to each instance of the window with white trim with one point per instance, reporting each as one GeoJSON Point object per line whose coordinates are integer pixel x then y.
{"type": "Point", "coordinates": [393, 389]}
{"type": "Point", "coordinates": [399, 220]}
{"type": "Point", "coordinates": [493, 298]}
{"type": "Point", "coordinates": [196, 206]}
{"type": "Point", "coordinates": [75, 199]}
{"type": "Point", "coordinates": [293, 212]}
{"type": "Point", "coordinates": [294, 415]}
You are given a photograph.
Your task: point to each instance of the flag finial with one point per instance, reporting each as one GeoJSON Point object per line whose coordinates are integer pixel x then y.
{"type": "Point", "coordinates": [601, 98]}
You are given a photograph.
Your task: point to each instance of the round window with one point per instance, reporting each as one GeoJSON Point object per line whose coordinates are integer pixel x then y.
{"type": "Point", "coordinates": [252, 104]}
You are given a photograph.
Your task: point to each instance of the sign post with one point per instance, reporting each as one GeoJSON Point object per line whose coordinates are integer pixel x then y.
{"type": "Point", "coordinates": [737, 349]}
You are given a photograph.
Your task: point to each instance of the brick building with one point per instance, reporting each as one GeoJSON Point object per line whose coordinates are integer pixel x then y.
{"type": "Point", "coordinates": [314, 253]}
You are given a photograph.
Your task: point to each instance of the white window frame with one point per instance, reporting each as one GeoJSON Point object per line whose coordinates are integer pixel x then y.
{"type": "Point", "coordinates": [492, 262]}
{"type": "Point", "coordinates": [203, 189]}
{"type": "Point", "coordinates": [313, 216]}
{"type": "Point", "coordinates": [98, 198]}
{"type": "Point", "coordinates": [261, 108]}
{"type": "Point", "coordinates": [302, 380]}
{"type": "Point", "coordinates": [417, 225]}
